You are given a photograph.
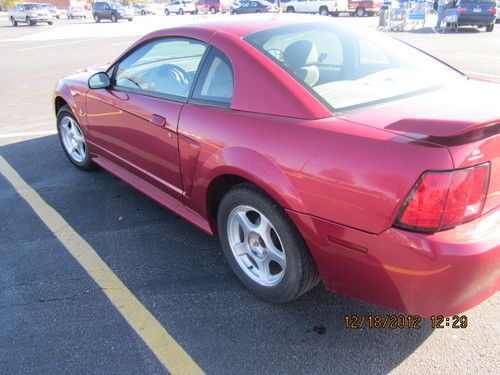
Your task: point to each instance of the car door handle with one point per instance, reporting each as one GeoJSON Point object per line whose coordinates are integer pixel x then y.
{"type": "Point", "coordinates": [158, 120]}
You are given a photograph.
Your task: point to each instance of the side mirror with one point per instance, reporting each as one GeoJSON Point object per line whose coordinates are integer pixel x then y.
{"type": "Point", "coordinates": [99, 81]}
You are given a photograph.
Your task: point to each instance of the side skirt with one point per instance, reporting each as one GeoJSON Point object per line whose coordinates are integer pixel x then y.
{"type": "Point", "coordinates": [154, 193]}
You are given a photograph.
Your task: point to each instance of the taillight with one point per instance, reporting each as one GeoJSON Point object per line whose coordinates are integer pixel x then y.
{"type": "Point", "coordinates": [492, 10]}
{"type": "Point", "coordinates": [443, 200]}
{"type": "Point", "coordinates": [462, 10]}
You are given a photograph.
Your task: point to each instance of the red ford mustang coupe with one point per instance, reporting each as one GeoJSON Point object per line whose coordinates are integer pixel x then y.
{"type": "Point", "coordinates": [313, 150]}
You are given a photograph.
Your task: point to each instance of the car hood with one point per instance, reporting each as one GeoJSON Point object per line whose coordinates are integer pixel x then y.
{"type": "Point", "coordinates": [455, 110]}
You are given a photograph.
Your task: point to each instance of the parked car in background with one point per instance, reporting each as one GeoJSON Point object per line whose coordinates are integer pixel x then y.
{"type": "Point", "coordinates": [255, 6]}
{"type": "Point", "coordinates": [143, 9]}
{"type": "Point", "coordinates": [111, 11]}
{"type": "Point", "coordinates": [498, 11]}
{"type": "Point", "coordinates": [208, 6]}
{"type": "Point", "coordinates": [180, 7]}
{"type": "Point", "coordinates": [478, 13]}
{"type": "Point", "coordinates": [53, 10]}
{"type": "Point", "coordinates": [323, 7]}
{"type": "Point", "coordinates": [76, 11]}
{"type": "Point", "coordinates": [345, 171]}
{"type": "Point", "coordinates": [30, 13]}
{"type": "Point", "coordinates": [361, 8]}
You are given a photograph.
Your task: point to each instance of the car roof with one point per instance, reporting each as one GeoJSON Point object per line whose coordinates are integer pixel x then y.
{"type": "Point", "coordinates": [242, 25]}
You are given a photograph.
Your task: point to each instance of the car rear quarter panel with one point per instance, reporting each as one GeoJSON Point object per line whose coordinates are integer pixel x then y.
{"type": "Point", "coordinates": [329, 168]}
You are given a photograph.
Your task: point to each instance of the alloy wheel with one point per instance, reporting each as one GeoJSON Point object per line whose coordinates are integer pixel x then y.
{"type": "Point", "coordinates": [73, 139]}
{"type": "Point", "coordinates": [256, 245]}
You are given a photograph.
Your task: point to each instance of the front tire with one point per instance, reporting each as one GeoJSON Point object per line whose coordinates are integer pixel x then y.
{"type": "Point", "coordinates": [180, 12]}
{"type": "Point", "coordinates": [212, 10]}
{"type": "Point", "coordinates": [30, 22]}
{"type": "Point", "coordinates": [323, 11]}
{"type": "Point", "coordinates": [13, 21]}
{"type": "Point", "coordinates": [263, 247]}
{"type": "Point", "coordinates": [167, 12]}
{"type": "Point", "coordinates": [96, 18]}
{"type": "Point", "coordinates": [113, 18]}
{"type": "Point", "coordinates": [290, 10]}
{"type": "Point", "coordinates": [72, 139]}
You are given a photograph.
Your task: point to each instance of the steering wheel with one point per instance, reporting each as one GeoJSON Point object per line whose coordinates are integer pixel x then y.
{"type": "Point", "coordinates": [170, 79]}
{"type": "Point", "coordinates": [277, 54]}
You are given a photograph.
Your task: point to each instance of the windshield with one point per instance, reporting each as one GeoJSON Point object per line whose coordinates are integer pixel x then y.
{"type": "Point", "coordinates": [346, 68]}
{"type": "Point", "coordinates": [33, 6]}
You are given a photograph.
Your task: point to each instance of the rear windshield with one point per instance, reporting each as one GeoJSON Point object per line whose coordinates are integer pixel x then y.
{"type": "Point", "coordinates": [346, 68]}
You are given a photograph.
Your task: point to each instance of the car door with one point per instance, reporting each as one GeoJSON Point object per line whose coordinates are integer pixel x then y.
{"type": "Point", "coordinates": [19, 13]}
{"type": "Point", "coordinates": [134, 122]}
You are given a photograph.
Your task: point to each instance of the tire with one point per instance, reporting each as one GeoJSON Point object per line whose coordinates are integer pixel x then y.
{"type": "Point", "coordinates": [13, 21]}
{"type": "Point", "coordinates": [65, 116]}
{"type": "Point", "coordinates": [297, 272]}
{"type": "Point", "coordinates": [143, 13]}
{"type": "Point", "coordinates": [490, 27]}
{"type": "Point", "coordinates": [360, 12]}
{"type": "Point", "coordinates": [96, 18]}
{"type": "Point", "coordinates": [130, 19]}
{"type": "Point", "coordinates": [257, 11]}
{"type": "Point", "coordinates": [323, 11]}
{"type": "Point", "coordinates": [167, 12]}
{"type": "Point", "coordinates": [180, 12]}
{"type": "Point", "coordinates": [50, 23]}
{"type": "Point", "coordinates": [58, 17]}
{"type": "Point", "coordinates": [290, 10]}
{"type": "Point", "coordinates": [212, 10]}
{"type": "Point", "coordinates": [30, 22]}
{"type": "Point", "coordinates": [113, 18]}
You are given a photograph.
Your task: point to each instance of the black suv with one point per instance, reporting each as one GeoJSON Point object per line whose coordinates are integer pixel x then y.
{"type": "Point", "coordinates": [111, 11]}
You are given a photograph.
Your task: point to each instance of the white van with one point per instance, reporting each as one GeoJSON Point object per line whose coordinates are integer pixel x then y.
{"type": "Point", "coordinates": [323, 7]}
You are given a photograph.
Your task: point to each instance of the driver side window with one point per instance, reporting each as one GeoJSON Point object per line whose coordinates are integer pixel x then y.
{"type": "Point", "coordinates": [164, 67]}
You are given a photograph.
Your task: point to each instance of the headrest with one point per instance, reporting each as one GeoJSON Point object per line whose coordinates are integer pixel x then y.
{"type": "Point", "coordinates": [300, 53]}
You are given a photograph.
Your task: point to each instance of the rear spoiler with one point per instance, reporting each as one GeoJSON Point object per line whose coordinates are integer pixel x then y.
{"type": "Point", "coordinates": [444, 128]}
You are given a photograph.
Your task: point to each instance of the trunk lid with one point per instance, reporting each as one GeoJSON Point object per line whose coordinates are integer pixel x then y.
{"type": "Point", "coordinates": [464, 117]}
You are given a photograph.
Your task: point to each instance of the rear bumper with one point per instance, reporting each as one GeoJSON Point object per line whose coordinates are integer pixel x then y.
{"type": "Point", "coordinates": [426, 274]}
{"type": "Point", "coordinates": [476, 21]}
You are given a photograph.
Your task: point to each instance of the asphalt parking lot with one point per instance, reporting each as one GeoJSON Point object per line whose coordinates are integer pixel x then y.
{"type": "Point", "coordinates": [54, 318]}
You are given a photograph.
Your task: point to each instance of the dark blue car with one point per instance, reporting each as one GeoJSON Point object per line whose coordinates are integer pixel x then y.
{"type": "Point", "coordinates": [479, 13]}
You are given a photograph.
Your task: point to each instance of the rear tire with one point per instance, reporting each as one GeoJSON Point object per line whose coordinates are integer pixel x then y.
{"type": "Point", "coordinates": [13, 21]}
{"type": "Point", "coordinates": [113, 18]}
{"type": "Point", "coordinates": [274, 261]}
{"type": "Point", "coordinates": [360, 12]}
{"type": "Point", "coordinates": [323, 11]}
{"type": "Point", "coordinates": [96, 18]}
{"type": "Point", "coordinates": [66, 118]}
{"type": "Point", "coordinates": [290, 10]}
{"type": "Point", "coordinates": [490, 27]}
{"type": "Point", "coordinates": [212, 10]}
{"type": "Point", "coordinates": [30, 22]}
{"type": "Point", "coordinates": [180, 12]}
{"type": "Point", "coordinates": [167, 12]}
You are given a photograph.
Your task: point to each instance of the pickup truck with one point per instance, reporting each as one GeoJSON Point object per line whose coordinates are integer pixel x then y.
{"type": "Point", "coordinates": [358, 8]}
{"type": "Point", "coordinates": [30, 13]}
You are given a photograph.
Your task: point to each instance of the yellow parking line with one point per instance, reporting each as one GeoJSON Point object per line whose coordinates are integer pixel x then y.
{"type": "Point", "coordinates": [166, 349]}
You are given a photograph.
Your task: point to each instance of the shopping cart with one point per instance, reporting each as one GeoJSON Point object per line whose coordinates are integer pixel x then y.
{"type": "Point", "coordinates": [450, 20]}
{"type": "Point", "coordinates": [416, 16]}
{"type": "Point", "coordinates": [396, 20]}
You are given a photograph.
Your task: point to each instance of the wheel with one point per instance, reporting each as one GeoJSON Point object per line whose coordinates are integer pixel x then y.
{"type": "Point", "coordinates": [263, 247]}
{"type": "Point", "coordinates": [50, 23]}
{"type": "Point", "coordinates": [96, 18]}
{"type": "Point", "coordinates": [113, 18]}
{"type": "Point", "coordinates": [13, 21]}
{"type": "Point", "coordinates": [130, 19]}
{"type": "Point", "coordinates": [30, 22]}
{"type": "Point", "coordinates": [360, 12]}
{"type": "Point", "coordinates": [290, 10]}
{"type": "Point", "coordinates": [180, 12]}
{"type": "Point", "coordinates": [58, 17]}
{"type": "Point", "coordinates": [257, 11]}
{"type": "Point", "coordinates": [212, 10]}
{"type": "Point", "coordinates": [489, 28]}
{"type": "Point", "coordinates": [73, 140]}
{"type": "Point", "coordinates": [143, 13]}
{"type": "Point", "coordinates": [335, 14]}
{"type": "Point", "coordinates": [323, 11]}
{"type": "Point", "coordinates": [167, 12]}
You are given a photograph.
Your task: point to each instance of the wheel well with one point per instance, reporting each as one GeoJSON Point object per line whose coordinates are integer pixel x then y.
{"type": "Point", "coordinates": [59, 102]}
{"type": "Point", "coordinates": [217, 189]}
